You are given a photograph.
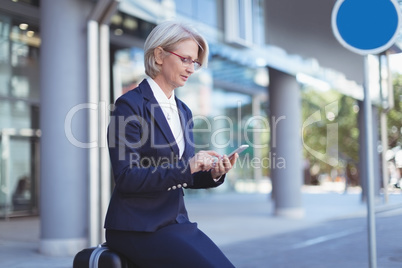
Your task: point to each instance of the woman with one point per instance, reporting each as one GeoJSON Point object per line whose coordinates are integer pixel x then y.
{"type": "Point", "coordinates": [152, 154]}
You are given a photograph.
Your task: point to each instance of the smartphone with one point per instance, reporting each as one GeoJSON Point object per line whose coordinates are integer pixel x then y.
{"type": "Point", "coordinates": [238, 150]}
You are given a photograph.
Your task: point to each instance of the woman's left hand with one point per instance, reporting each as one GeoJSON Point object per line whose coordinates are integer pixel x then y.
{"type": "Point", "coordinates": [223, 165]}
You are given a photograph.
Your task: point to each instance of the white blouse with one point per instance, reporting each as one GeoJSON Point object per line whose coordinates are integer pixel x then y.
{"type": "Point", "coordinates": [169, 108]}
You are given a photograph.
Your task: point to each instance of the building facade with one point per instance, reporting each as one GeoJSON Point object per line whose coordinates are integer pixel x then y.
{"type": "Point", "coordinates": [62, 65]}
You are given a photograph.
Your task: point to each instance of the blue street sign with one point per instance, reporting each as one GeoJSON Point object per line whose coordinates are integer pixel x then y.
{"type": "Point", "coordinates": [366, 26]}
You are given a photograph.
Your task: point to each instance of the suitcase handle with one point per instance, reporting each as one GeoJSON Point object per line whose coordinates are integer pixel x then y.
{"type": "Point", "coordinates": [94, 259]}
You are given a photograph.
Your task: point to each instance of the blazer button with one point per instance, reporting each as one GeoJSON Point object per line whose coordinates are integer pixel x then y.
{"type": "Point", "coordinates": [184, 184]}
{"type": "Point", "coordinates": [179, 186]}
{"type": "Point", "coordinates": [174, 187]}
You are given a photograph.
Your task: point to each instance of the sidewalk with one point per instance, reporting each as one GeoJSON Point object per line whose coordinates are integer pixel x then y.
{"type": "Point", "coordinates": [228, 218]}
{"type": "Point", "coordinates": [233, 218]}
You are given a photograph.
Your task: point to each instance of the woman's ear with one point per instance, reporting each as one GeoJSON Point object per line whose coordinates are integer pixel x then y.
{"type": "Point", "coordinates": [158, 54]}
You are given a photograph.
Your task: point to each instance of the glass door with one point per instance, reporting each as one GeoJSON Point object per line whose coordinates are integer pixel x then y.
{"type": "Point", "coordinates": [19, 177]}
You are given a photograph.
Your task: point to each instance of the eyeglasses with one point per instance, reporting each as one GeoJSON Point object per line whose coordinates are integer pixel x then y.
{"type": "Point", "coordinates": [187, 61]}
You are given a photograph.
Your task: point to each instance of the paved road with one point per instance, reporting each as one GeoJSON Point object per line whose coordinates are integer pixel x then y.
{"type": "Point", "coordinates": [331, 244]}
{"type": "Point", "coordinates": [332, 234]}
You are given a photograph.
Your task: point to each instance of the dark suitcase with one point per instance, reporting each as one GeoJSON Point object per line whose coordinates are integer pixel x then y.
{"type": "Point", "coordinates": [101, 257]}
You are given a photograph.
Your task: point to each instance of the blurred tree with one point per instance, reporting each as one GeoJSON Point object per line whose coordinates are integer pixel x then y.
{"type": "Point", "coordinates": [316, 107]}
{"type": "Point", "coordinates": [314, 103]}
{"type": "Point", "coordinates": [395, 115]}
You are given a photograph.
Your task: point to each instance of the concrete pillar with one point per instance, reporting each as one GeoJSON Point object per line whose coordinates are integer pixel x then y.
{"type": "Point", "coordinates": [64, 165]}
{"type": "Point", "coordinates": [363, 153]}
{"type": "Point", "coordinates": [256, 111]}
{"type": "Point", "coordinates": [376, 154]}
{"type": "Point", "coordinates": [286, 147]}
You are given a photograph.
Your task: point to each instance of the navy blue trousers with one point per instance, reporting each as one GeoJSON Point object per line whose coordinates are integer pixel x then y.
{"type": "Point", "coordinates": [180, 245]}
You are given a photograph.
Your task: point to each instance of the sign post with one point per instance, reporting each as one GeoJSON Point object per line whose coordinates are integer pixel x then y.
{"type": "Point", "coordinates": [367, 27]}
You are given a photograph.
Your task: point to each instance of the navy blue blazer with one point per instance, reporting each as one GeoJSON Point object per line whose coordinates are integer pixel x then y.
{"type": "Point", "coordinates": [149, 176]}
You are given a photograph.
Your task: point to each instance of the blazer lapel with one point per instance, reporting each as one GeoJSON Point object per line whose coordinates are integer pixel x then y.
{"type": "Point", "coordinates": [158, 119]}
{"type": "Point", "coordinates": [184, 120]}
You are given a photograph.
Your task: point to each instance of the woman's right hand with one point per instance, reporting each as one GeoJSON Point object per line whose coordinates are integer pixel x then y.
{"type": "Point", "coordinates": [203, 161]}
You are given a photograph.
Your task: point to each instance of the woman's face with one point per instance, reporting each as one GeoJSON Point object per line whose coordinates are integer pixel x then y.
{"type": "Point", "coordinates": [173, 73]}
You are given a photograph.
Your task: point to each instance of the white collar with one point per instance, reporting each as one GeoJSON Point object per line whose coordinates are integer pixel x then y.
{"type": "Point", "coordinates": [160, 96]}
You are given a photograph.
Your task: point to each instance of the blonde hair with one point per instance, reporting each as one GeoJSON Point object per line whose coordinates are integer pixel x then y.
{"type": "Point", "coordinates": [167, 35]}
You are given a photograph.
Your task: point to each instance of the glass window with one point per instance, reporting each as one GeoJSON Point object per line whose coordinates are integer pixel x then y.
{"type": "Point", "coordinates": [206, 12]}
{"type": "Point", "coordinates": [201, 10]}
{"type": "Point", "coordinates": [15, 114]}
{"type": "Point", "coordinates": [19, 174]}
{"type": "Point", "coordinates": [185, 7]}
{"type": "Point", "coordinates": [19, 62]}
{"type": "Point", "coordinates": [19, 115]}
{"type": "Point", "coordinates": [128, 70]}
{"type": "Point", "coordinates": [258, 24]}
{"type": "Point", "coordinates": [244, 24]}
